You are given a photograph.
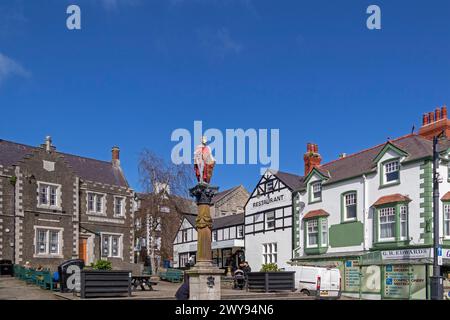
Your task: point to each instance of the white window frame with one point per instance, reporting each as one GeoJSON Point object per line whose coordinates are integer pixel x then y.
{"type": "Point", "coordinates": [350, 199]}
{"type": "Point", "coordinates": [270, 252]}
{"type": "Point", "coordinates": [389, 167]}
{"type": "Point", "coordinates": [47, 253]}
{"type": "Point", "coordinates": [316, 185]}
{"type": "Point", "coordinates": [103, 203]}
{"type": "Point", "coordinates": [324, 232]}
{"type": "Point", "coordinates": [240, 232]}
{"type": "Point", "coordinates": [122, 207]}
{"type": "Point", "coordinates": [315, 224]}
{"type": "Point", "coordinates": [446, 214]}
{"type": "Point", "coordinates": [214, 235]}
{"type": "Point", "coordinates": [110, 249]}
{"type": "Point", "coordinates": [389, 211]}
{"type": "Point", "coordinates": [270, 221]}
{"type": "Point", "coordinates": [403, 218]}
{"type": "Point", "coordinates": [48, 186]}
{"type": "Point", "coordinates": [184, 232]}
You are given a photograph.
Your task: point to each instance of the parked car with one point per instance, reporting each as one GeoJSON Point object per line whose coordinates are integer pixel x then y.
{"type": "Point", "coordinates": [317, 281]}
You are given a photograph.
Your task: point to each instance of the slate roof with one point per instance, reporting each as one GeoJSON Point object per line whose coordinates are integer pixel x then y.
{"type": "Point", "coordinates": [293, 181]}
{"type": "Point", "coordinates": [222, 222]}
{"type": "Point", "coordinates": [220, 195]}
{"type": "Point", "coordinates": [86, 168]}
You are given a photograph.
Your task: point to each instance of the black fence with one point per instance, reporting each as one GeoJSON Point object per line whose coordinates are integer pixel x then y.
{"type": "Point", "coordinates": [99, 283]}
{"type": "Point", "coordinates": [271, 281]}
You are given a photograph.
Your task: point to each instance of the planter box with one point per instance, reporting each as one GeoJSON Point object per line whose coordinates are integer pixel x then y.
{"type": "Point", "coordinates": [105, 283]}
{"type": "Point", "coordinates": [271, 281]}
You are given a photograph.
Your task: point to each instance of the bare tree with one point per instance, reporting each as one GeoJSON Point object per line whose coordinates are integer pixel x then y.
{"type": "Point", "coordinates": [166, 188]}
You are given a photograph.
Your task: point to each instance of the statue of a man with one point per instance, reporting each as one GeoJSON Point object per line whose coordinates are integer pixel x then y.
{"type": "Point", "coordinates": [203, 162]}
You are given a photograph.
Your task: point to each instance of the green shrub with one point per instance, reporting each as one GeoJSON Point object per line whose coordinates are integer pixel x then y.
{"type": "Point", "coordinates": [269, 267]}
{"type": "Point", "coordinates": [102, 265]}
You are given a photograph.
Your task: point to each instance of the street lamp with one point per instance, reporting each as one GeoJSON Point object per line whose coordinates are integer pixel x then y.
{"type": "Point", "coordinates": [437, 291]}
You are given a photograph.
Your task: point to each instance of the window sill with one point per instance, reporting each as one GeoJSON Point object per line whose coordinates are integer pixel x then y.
{"type": "Point", "coordinates": [391, 244]}
{"type": "Point", "coordinates": [57, 208]}
{"type": "Point", "coordinates": [315, 201]}
{"type": "Point", "coordinates": [316, 250]}
{"type": "Point", "coordinates": [387, 185]}
{"type": "Point", "coordinates": [48, 256]}
{"type": "Point", "coordinates": [98, 214]}
{"type": "Point", "coordinates": [349, 221]}
{"type": "Point", "coordinates": [118, 217]}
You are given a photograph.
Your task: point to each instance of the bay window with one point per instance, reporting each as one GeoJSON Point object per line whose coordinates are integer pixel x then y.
{"type": "Point", "coordinates": [392, 224]}
{"type": "Point", "coordinates": [313, 233]}
{"type": "Point", "coordinates": [447, 220]}
{"type": "Point", "coordinates": [387, 224]}
{"type": "Point", "coordinates": [316, 234]}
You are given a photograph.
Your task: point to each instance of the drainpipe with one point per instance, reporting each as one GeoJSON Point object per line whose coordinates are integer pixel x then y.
{"type": "Point", "coordinates": [13, 181]}
{"type": "Point", "coordinates": [365, 212]}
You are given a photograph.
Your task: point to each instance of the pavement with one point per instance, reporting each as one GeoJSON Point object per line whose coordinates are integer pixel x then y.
{"type": "Point", "coordinates": [14, 289]}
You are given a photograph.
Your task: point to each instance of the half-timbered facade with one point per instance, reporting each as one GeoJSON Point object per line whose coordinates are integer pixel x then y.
{"type": "Point", "coordinates": [269, 220]}
{"type": "Point", "coordinates": [227, 241]}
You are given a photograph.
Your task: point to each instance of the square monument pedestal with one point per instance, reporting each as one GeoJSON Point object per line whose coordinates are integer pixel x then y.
{"type": "Point", "coordinates": [204, 282]}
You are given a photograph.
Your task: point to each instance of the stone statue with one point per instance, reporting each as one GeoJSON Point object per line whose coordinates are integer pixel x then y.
{"type": "Point", "coordinates": [203, 162]}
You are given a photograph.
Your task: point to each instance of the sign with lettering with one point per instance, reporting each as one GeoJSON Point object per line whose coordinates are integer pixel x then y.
{"type": "Point", "coordinates": [268, 200]}
{"type": "Point", "coordinates": [351, 276]}
{"type": "Point", "coordinates": [407, 254]}
{"type": "Point", "coordinates": [405, 281]}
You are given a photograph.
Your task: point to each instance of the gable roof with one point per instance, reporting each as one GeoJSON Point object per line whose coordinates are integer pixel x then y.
{"type": "Point", "coordinates": [293, 181]}
{"type": "Point", "coordinates": [362, 162]}
{"type": "Point", "coordinates": [220, 195]}
{"type": "Point", "coordinates": [86, 168]}
{"type": "Point", "coordinates": [222, 222]}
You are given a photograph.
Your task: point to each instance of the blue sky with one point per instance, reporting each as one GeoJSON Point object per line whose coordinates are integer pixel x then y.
{"type": "Point", "coordinates": [140, 69]}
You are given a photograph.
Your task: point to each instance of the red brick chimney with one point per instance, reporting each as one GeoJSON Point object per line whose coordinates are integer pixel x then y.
{"type": "Point", "coordinates": [312, 157]}
{"type": "Point", "coordinates": [115, 156]}
{"type": "Point", "coordinates": [435, 122]}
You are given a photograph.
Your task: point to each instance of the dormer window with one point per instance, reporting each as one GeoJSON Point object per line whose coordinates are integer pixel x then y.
{"type": "Point", "coordinates": [391, 172]}
{"type": "Point", "coordinates": [316, 191]}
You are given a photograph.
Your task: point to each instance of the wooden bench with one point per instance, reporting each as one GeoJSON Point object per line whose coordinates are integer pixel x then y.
{"type": "Point", "coordinates": [172, 275]}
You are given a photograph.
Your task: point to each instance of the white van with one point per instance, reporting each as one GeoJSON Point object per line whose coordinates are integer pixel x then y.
{"type": "Point", "coordinates": [317, 281]}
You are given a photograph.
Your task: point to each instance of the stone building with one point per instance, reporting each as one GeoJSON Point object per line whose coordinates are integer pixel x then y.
{"type": "Point", "coordinates": [229, 202]}
{"type": "Point", "coordinates": [56, 206]}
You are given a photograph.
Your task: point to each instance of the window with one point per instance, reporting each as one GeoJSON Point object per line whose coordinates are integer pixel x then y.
{"type": "Point", "coordinates": [447, 220]}
{"type": "Point", "coordinates": [118, 206]}
{"type": "Point", "coordinates": [48, 242]}
{"type": "Point", "coordinates": [350, 206]}
{"type": "Point", "coordinates": [270, 220]}
{"type": "Point", "coordinates": [324, 230]}
{"type": "Point", "coordinates": [269, 186]}
{"type": "Point", "coordinates": [184, 236]}
{"type": "Point", "coordinates": [270, 253]}
{"type": "Point", "coordinates": [392, 171]}
{"type": "Point", "coordinates": [214, 235]}
{"type": "Point", "coordinates": [48, 195]}
{"type": "Point", "coordinates": [403, 222]}
{"type": "Point", "coordinates": [240, 231]}
{"type": "Point", "coordinates": [95, 203]}
{"type": "Point", "coordinates": [312, 233]}
{"type": "Point", "coordinates": [184, 259]}
{"type": "Point", "coordinates": [387, 223]}
{"type": "Point", "coordinates": [111, 245]}
{"type": "Point", "coordinates": [316, 191]}
{"type": "Point", "coordinates": [226, 234]}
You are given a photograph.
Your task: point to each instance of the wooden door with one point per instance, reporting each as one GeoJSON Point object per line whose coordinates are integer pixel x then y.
{"type": "Point", "coordinates": [83, 249]}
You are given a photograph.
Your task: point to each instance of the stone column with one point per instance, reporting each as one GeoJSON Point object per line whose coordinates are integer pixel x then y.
{"type": "Point", "coordinates": [204, 277]}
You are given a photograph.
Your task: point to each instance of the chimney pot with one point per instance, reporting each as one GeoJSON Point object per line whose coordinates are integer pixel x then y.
{"type": "Point", "coordinates": [312, 158]}
{"type": "Point", "coordinates": [437, 114]}
{"type": "Point", "coordinates": [444, 112]}
{"type": "Point", "coordinates": [48, 143]}
{"type": "Point", "coordinates": [425, 119]}
{"type": "Point", "coordinates": [431, 116]}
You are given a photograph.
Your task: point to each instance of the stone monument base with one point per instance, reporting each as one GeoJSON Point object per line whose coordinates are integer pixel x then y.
{"type": "Point", "coordinates": [204, 282]}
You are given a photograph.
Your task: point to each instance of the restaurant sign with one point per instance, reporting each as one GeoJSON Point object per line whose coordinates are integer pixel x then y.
{"type": "Point", "coordinates": [407, 254]}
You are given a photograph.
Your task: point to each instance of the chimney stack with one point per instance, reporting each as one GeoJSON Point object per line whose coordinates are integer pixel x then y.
{"type": "Point", "coordinates": [312, 157]}
{"type": "Point", "coordinates": [115, 156]}
{"type": "Point", "coordinates": [433, 123]}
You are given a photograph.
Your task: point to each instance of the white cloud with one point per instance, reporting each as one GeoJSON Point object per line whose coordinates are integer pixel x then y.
{"type": "Point", "coordinates": [10, 68]}
{"type": "Point", "coordinates": [219, 42]}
